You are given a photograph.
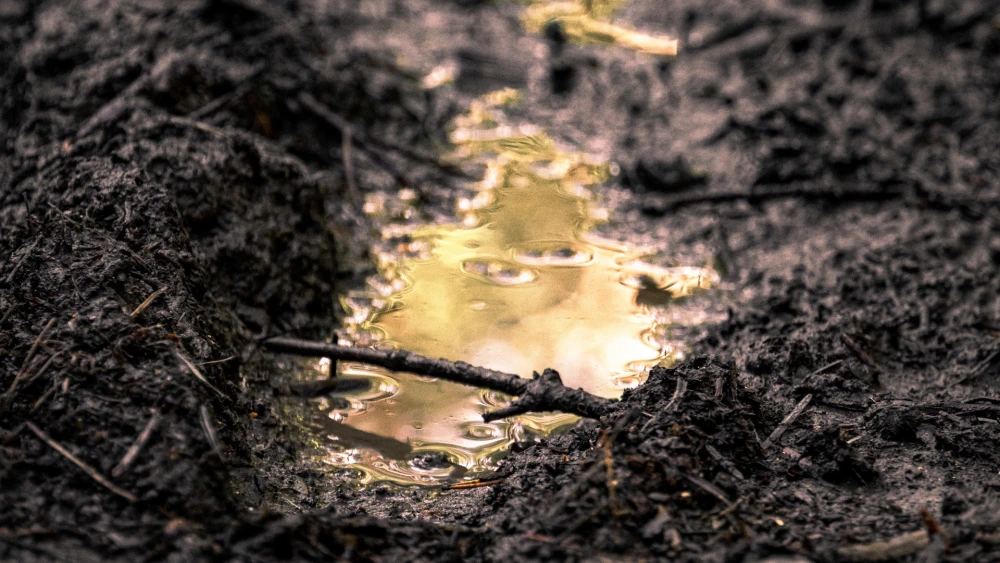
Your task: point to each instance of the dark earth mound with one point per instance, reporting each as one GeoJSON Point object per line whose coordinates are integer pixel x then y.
{"type": "Point", "coordinates": [840, 158]}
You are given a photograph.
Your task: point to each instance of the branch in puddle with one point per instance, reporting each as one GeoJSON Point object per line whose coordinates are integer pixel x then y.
{"type": "Point", "coordinates": [544, 392]}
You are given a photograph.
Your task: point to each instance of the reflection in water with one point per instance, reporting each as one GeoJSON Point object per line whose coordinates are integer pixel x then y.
{"type": "Point", "coordinates": [588, 22]}
{"type": "Point", "coordinates": [519, 286]}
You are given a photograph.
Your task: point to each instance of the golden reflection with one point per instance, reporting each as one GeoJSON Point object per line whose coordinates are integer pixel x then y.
{"type": "Point", "coordinates": [520, 285]}
{"type": "Point", "coordinates": [587, 22]}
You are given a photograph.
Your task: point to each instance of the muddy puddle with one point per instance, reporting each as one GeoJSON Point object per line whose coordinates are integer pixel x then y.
{"type": "Point", "coordinates": [520, 280]}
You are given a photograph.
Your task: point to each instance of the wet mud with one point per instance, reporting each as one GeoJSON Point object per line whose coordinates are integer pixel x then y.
{"type": "Point", "coordinates": [179, 179]}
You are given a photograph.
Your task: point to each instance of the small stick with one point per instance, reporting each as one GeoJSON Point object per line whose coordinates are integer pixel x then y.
{"type": "Point", "coordinates": [798, 410]}
{"type": "Point", "coordinates": [474, 484]}
{"type": "Point", "coordinates": [240, 90]}
{"type": "Point", "coordinates": [45, 396]}
{"type": "Point", "coordinates": [209, 428]}
{"type": "Point", "coordinates": [709, 488]}
{"type": "Point", "coordinates": [210, 362]}
{"type": "Point", "coordinates": [895, 548]}
{"type": "Point", "coordinates": [94, 474]}
{"type": "Point", "coordinates": [142, 306]}
{"type": "Point", "coordinates": [25, 365]}
{"type": "Point", "coordinates": [20, 262]}
{"type": "Point", "coordinates": [133, 451]}
{"type": "Point", "coordinates": [321, 111]}
{"type": "Point", "coordinates": [855, 349]}
{"type": "Point", "coordinates": [196, 372]}
{"type": "Point", "coordinates": [7, 313]}
{"type": "Point", "coordinates": [820, 371]}
{"type": "Point", "coordinates": [44, 367]}
{"type": "Point", "coordinates": [679, 391]}
{"type": "Point", "coordinates": [542, 393]}
{"type": "Point", "coordinates": [725, 462]}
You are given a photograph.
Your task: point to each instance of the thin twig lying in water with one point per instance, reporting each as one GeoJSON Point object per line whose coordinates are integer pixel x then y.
{"type": "Point", "coordinates": [544, 392]}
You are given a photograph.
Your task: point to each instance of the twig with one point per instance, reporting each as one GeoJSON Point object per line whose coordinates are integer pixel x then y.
{"type": "Point", "coordinates": [20, 262]}
{"type": "Point", "coordinates": [38, 373]}
{"type": "Point", "coordinates": [7, 314]}
{"type": "Point", "coordinates": [321, 111]}
{"type": "Point", "coordinates": [210, 362]}
{"type": "Point", "coordinates": [25, 365]}
{"type": "Point", "coordinates": [41, 400]}
{"type": "Point", "coordinates": [788, 420]}
{"type": "Point", "coordinates": [364, 144]}
{"type": "Point", "coordinates": [855, 349]}
{"type": "Point", "coordinates": [196, 372]}
{"type": "Point", "coordinates": [474, 484]}
{"type": "Point", "coordinates": [709, 488]}
{"type": "Point", "coordinates": [984, 368]}
{"type": "Point", "coordinates": [679, 391]}
{"type": "Point", "coordinates": [94, 474]}
{"type": "Point", "coordinates": [241, 89]}
{"type": "Point", "coordinates": [210, 433]}
{"type": "Point", "coordinates": [542, 393]}
{"type": "Point", "coordinates": [724, 462]}
{"type": "Point", "coordinates": [142, 306]}
{"type": "Point", "coordinates": [899, 546]}
{"type": "Point", "coordinates": [582, 482]}
{"type": "Point", "coordinates": [133, 451]}
{"type": "Point", "coordinates": [820, 371]}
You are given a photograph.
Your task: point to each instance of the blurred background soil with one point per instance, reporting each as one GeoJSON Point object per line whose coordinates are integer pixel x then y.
{"type": "Point", "coordinates": [838, 158]}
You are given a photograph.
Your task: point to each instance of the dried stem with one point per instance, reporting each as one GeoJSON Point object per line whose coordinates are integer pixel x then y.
{"type": "Point", "coordinates": [94, 474]}
{"type": "Point", "coordinates": [544, 392]}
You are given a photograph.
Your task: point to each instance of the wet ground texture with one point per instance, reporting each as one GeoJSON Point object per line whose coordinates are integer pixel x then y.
{"type": "Point", "coordinates": [839, 158]}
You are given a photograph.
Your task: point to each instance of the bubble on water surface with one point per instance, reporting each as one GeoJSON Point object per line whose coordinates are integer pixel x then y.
{"type": "Point", "coordinates": [500, 272]}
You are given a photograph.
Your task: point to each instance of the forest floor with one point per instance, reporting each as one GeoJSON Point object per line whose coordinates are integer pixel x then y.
{"type": "Point", "coordinates": [839, 158]}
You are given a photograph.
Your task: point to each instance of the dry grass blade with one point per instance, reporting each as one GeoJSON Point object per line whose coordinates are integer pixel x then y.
{"type": "Point", "coordinates": [20, 262]}
{"type": "Point", "coordinates": [798, 410]}
{"type": "Point", "coordinates": [27, 362]}
{"type": "Point", "coordinates": [710, 489]}
{"type": "Point", "coordinates": [210, 433]}
{"type": "Point", "coordinates": [133, 451]}
{"type": "Point", "coordinates": [45, 396]}
{"type": "Point", "coordinates": [475, 484]}
{"type": "Point", "coordinates": [94, 474]}
{"type": "Point", "coordinates": [196, 372]}
{"type": "Point", "coordinates": [142, 306]}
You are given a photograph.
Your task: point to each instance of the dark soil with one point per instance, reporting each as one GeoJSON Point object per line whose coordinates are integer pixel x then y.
{"type": "Point", "coordinates": [839, 158]}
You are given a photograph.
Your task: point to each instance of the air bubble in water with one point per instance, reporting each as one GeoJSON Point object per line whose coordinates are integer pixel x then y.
{"type": "Point", "coordinates": [499, 272]}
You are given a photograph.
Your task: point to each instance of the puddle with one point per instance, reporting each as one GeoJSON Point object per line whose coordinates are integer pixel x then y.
{"type": "Point", "coordinates": [518, 283]}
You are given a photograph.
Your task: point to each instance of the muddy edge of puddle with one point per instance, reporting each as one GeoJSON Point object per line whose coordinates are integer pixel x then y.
{"type": "Point", "coordinates": [148, 147]}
